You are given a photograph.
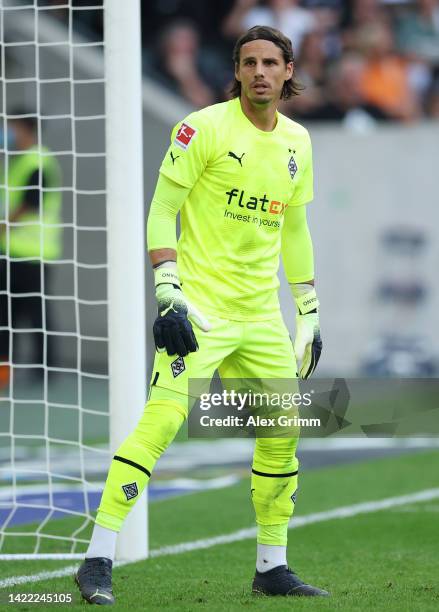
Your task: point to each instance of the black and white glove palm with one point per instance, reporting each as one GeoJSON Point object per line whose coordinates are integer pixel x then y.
{"type": "Point", "coordinates": [307, 343]}
{"type": "Point", "coordinates": [172, 328]}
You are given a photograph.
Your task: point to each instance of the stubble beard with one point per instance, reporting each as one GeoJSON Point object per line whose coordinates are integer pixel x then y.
{"type": "Point", "coordinates": [259, 101]}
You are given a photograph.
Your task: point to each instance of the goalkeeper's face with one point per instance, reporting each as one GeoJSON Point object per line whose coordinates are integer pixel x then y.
{"type": "Point", "coordinates": [262, 71]}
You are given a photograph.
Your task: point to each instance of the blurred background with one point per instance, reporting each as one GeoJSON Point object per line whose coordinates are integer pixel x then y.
{"type": "Point", "coordinates": [380, 56]}
{"type": "Point", "coordinates": [370, 69]}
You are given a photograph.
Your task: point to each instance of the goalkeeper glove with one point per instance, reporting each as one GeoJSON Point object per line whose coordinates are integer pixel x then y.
{"type": "Point", "coordinates": [307, 344]}
{"type": "Point", "coordinates": [172, 329]}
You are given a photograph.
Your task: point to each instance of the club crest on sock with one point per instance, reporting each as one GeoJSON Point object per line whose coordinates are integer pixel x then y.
{"type": "Point", "coordinates": [130, 490]}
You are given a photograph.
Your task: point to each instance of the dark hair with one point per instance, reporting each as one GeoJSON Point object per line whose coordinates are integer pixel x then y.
{"type": "Point", "coordinates": [291, 87]}
{"type": "Point", "coordinates": [24, 116]}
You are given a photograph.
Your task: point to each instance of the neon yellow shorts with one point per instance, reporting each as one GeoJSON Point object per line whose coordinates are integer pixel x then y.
{"type": "Point", "coordinates": [237, 349]}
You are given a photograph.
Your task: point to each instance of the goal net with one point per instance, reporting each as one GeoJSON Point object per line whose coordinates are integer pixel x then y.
{"type": "Point", "coordinates": [65, 248]}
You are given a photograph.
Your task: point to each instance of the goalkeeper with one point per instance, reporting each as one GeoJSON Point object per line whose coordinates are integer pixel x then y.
{"type": "Point", "coordinates": [240, 174]}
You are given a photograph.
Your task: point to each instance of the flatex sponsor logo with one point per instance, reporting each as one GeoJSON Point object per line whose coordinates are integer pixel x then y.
{"type": "Point", "coordinates": [263, 204]}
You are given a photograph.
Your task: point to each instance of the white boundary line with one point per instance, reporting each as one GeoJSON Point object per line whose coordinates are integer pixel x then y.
{"type": "Point", "coordinates": [242, 534]}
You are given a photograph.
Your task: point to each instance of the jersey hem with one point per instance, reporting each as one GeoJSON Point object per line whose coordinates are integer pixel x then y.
{"type": "Point", "coordinates": [161, 246]}
{"type": "Point", "coordinates": [240, 319]}
{"type": "Point", "coordinates": [178, 181]}
{"type": "Point", "coordinates": [302, 202]}
{"type": "Point", "coordinates": [300, 279]}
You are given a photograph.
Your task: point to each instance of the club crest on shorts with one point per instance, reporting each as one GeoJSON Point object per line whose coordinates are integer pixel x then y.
{"type": "Point", "coordinates": [292, 167]}
{"type": "Point", "coordinates": [130, 490]}
{"type": "Point", "coordinates": [178, 367]}
{"type": "Point", "coordinates": [294, 496]}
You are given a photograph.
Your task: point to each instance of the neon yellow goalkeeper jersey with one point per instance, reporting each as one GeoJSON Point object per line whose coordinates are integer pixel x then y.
{"type": "Point", "coordinates": [242, 179]}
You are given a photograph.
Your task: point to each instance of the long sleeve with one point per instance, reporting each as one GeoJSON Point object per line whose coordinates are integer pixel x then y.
{"type": "Point", "coordinates": [297, 249]}
{"type": "Point", "coordinates": [168, 198]}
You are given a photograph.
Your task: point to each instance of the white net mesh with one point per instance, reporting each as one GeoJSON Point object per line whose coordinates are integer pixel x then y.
{"type": "Point", "coordinates": [54, 338]}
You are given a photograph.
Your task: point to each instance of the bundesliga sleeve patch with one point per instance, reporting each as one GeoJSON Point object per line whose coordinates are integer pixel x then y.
{"type": "Point", "coordinates": [184, 136]}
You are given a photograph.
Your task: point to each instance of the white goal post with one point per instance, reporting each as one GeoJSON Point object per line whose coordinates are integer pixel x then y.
{"type": "Point", "coordinates": [57, 437]}
{"type": "Point", "coordinates": [126, 288]}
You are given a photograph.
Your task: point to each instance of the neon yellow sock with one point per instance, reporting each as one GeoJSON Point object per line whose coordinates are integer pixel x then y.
{"type": "Point", "coordinates": [273, 486]}
{"type": "Point", "coordinates": [274, 535]}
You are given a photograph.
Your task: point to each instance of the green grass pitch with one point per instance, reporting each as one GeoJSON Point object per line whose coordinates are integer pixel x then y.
{"type": "Point", "coordinates": [385, 560]}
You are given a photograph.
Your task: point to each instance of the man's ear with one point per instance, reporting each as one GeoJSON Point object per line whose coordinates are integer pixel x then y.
{"type": "Point", "coordinates": [290, 70]}
{"type": "Point", "coordinates": [237, 72]}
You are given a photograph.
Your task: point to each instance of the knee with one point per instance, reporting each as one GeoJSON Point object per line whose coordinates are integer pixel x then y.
{"type": "Point", "coordinates": [275, 455]}
{"type": "Point", "coordinates": [159, 424]}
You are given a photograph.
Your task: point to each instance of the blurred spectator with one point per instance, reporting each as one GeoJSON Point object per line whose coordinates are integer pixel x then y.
{"type": "Point", "coordinates": [357, 13]}
{"type": "Point", "coordinates": [399, 40]}
{"type": "Point", "coordinates": [286, 15]}
{"type": "Point", "coordinates": [432, 101]}
{"type": "Point", "coordinates": [311, 73]}
{"type": "Point", "coordinates": [418, 32]}
{"type": "Point", "coordinates": [345, 96]}
{"type": "Point", "coordinates": [30, 237]}
{"type": "Point", "coordinates": [327, 21]}
{"type": "Point", "coordinates": [156, 14]}
{"type": "Point", "coordinates": [385, 79]}
{"type": "Point", "coordinates": [181, 66]}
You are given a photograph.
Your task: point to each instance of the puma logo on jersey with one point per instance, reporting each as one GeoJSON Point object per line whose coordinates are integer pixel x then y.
{"type": "Point", "coordinates": [234, 156]}
{"type": "Point", "coordinates": [173, 158]}
{"type": "Point", "coordinates": [168, 309]}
